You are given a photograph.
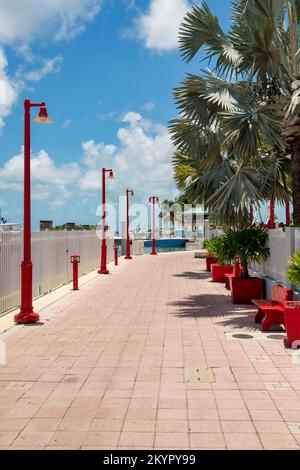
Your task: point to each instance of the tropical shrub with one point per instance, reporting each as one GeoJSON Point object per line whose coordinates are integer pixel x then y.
{"type": "Point", "coordinates": [247, 244]}
{"type": "Point", "coordinates": [294, 269]}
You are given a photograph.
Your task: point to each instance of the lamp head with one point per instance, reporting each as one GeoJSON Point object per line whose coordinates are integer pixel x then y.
{"type": "Point", "coordinates": [111, 175]}
{"type": "Point", "coordinates": [43, 116]}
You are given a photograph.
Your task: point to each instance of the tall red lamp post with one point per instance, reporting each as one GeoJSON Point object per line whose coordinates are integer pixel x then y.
{"type": "Point", "coordinates": [26, 314]}
{"type": "Point", "coordinates": [129, 192]}
{"type": "Point", "coordinates": [288, 214]}
{"type": "Point", "coordinates": [103, 268]}
{"type": "Point", "coordinates": [271, 224]}
{"type": "Point", "coordinates": [153, 200]}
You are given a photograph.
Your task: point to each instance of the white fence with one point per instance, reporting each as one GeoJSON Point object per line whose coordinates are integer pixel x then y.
{"type": "Point", "coordinates": [51, 253]}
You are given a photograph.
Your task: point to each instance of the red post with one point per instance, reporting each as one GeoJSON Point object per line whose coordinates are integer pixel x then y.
{"type": "Point", "coordinates": [153, 200]}
{"type": "Point", "coordinates": [251, 215]}
{"type": "Point", "coordinates": [129, 192]}
{"type": "Point", "coordinates": [272, 214]}
{"type": "Point", "coordinates": [103, 268]}
{"type": "Point", "coordinates": [116, 251]}
{"type": "Point", "coordinates": [27, 315]}
{"type": "Point", "coordinates": [75, 260]}
{"type": "Point", "coordinates": [288, 214]}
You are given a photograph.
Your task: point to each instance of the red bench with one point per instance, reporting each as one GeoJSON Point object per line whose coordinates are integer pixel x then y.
{"type": "Point", "coordinates": [271, 312]}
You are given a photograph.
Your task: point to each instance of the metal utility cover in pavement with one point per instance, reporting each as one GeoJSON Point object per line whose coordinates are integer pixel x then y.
{"type": "Point", "coordinates": [199, 376]}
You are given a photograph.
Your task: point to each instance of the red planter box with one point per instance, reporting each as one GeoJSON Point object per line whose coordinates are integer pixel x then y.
{"type": "Point", "coordinates": [209, 261]}
{"type": "Point", "coordinates": [244, 290]}
{"type": "Point", "coordinates": [292, 323]}
{"type": "Point", "coordinates": [218, 272]}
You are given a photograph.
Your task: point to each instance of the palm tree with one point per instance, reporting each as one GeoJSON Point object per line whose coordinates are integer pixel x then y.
{"type": "Point", "coordinates": [247, 106]}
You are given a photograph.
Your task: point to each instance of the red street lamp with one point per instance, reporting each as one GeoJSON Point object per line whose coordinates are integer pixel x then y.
{"type": "Point", "coordinates": [103, 269]}
{"type": "Point", "coordinates": [27, 314]}
{"type": "Point", "coordinates": [251, 215]}
{"type": "Point", "coordinates": [288, 214]}
{"type": "Point", "coordinates": [129, 192]}
{"type": "Point", "coordinates": [153, 200]}
{"type": "Point", "coordinates": [271, 224]}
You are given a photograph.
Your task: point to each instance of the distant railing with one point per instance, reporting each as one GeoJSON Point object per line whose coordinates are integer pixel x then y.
{"type": "Point", "coordinates": [51, 253]}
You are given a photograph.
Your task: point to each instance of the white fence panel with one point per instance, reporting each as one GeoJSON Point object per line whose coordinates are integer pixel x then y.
{"type": "Point", "coordinates": [10, 260]}
{"type": "Point", "coordinates": [51, 252]}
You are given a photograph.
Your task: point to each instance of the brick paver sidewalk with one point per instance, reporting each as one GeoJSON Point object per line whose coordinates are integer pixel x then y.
{"type": "Point", "coordinates": [145, 358]}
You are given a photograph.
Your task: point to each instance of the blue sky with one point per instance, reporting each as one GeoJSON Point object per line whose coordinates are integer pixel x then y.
{"type": "Point", "coordinates": [106, 69]}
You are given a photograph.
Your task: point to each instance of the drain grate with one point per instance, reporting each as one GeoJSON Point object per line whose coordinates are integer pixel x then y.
{"type": "Point", "coordinates": [240, 336]}
{"type": "Point", "coordinates": [199, 376]}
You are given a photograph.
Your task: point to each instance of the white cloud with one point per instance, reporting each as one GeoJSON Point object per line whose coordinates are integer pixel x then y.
{"type": "Point", "coordinates": [143, 159]}
{"type": "Point", "coordinates": [49, 181]}
{"type": "Point", "coordinates": [158, 27]}
{"type": "Point", "coordinates": [8, 90]}
{"type": "Point", "coordinates": [52, 65]}
{"type": "Point", "coordinates": [67, 122]}
{"type": "Point", "coordinates": [149, 106]}
{"type": "Point", "coordinates": [22, 21]}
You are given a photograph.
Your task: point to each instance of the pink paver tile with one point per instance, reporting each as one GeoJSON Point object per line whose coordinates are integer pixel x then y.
{"type": "Point", "coordinates": [110, 413]}
{"type": "Point", "coordinates": [74, 424]}
{"type": "Point", "coordinates": [171, 439]}
{"type": "Point", "coordinates": [242, 441]}
{"type": "Point", "coordinates": [107, 439]}
{"type": "Point", "coordinates": [265, 415]}
{"type": "Point", "coordinates": [13, 424]}
{"type": "Point", "coordinates": [207, 427]}
{"type": "Point", "coordinates": [238, 427]}
{"type": "Point", "coordinates": [106, 425]}
{"type": "Point", "coordinates": [234, 415]}
{"type": "Point", "coordinates": [69, 439]}
{"type": "Point", "coordinates": [172, 425]}
{"type": "Point", "coordinates": [139, 425]}
{"type": "Point", "coordinates": [271, 427]}
{"type": "Point", "coordinates": [278, 441]}
{"type": "Point", "coordinates": [177, 414]}
{"type": "Point", "coordinates": [133, 439]}
{"type": "Point", "coordinates": [42, 424]}
{"type": "Point", "coordinates": [33, 439]}
{"type": "Point", "coordinates": [8, 437]}
{"type": "Point", "coordinates": [207, 441]}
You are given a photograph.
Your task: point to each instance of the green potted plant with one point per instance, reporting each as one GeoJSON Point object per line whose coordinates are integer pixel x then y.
{"type": "Point", "coordinates": [292, 310]}
{"type": "Point", "coordinates": [210, 259]}
{"type": "Point", "coordinates": [248, 244]}
{"type": "Point", "coordinates": [224, 265]}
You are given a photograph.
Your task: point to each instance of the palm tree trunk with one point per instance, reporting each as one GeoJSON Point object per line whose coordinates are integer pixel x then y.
{"type": "Point", "coordinates": [295, 151]}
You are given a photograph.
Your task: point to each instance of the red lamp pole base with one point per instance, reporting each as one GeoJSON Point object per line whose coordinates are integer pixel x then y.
{"type": "Point", "coordinates": [26, 314]}
{"type": "Point", "coordinates": [25, 318]}
{"type": "Point", "coordinates": [154, 252]}
{"type": "Point", "coordinates": [103, 269]}
{"type": "Point", "coordinates": [128, 255]}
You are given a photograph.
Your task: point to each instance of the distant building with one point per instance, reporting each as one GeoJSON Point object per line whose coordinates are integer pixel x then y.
{"type": "Point", "coordinates": [70, 226]}
{"type": "Point", "coordinates": [46, 225]}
